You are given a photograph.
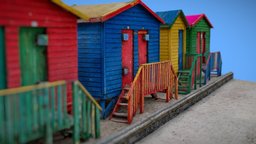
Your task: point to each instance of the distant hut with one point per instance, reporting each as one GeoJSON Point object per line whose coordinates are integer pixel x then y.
{"type": "Point", "coordinates": [173, 38]}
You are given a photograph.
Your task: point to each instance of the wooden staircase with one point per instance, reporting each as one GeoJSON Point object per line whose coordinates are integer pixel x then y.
{"type": "Point", "coordinates": [184, 77]}
{"type": "Point", "coordinates": [122, 105]}
{"type": "Point", "coordinates": [188, 78]}
{"type": "Point", "coordinates": [150, 79]}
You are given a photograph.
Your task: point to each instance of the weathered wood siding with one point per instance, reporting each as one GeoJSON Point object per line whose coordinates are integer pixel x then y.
{"type": "Point", "coordinates": [137, 18]}
{"type": "Point", "coordinates": [90, 57]}
{"type": "Point", "coordinates": [169, 42]}
{"type": "Point", "coordinates": [165, 44]}
{"type": "Point", "coordinates": [201, 26]}
{"type": "Point", "coordinates": [62, 36]}
{"type": "Point", "coordinates": [174, 36]}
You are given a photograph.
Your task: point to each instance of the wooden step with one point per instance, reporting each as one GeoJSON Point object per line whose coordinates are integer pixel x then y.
{"type": "Point", "coordinates": [183, 81]}
{"type": "Point", "coordinates": [120, 114]}
{"type": "Point", "coordinates": [127, 88]}
{"type": "Point", "coordinates": [123, 104]}
{"type": "Point", "coordinates": [183, 87]}
{"type": "Point", "coordinates": [184, 71]}
{"type": "Point", "coordinates": [119, 120]}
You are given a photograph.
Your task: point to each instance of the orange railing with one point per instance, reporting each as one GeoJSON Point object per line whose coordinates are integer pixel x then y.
{"type": "Point", "coordinates": [151, 78]}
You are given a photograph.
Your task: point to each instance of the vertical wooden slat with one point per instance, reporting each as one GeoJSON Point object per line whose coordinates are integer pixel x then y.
{"type": "Point", "coordinates": [84, 114]}
{"type": "Point", "coordinates": [22, 124]}
{"type": "Point", "coordinates": [97, 121]}
{"type": "Point", "coordinates": [2, 129]}
{"type": "Point", "coordinates": [59, 103]}
{"type": "Point", "coordinates": [9, 120]}
{"type": "Point", "coordinates": [93, 120]}
{"type": "Point", "coordinates": [47, 118]}
{"type": "Point", "coordinates": [52, 97]}
{"type": "Point", "coordinates": [76, 128]}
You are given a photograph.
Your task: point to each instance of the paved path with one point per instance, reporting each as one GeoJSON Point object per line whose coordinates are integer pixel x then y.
{"type": "Point", "coordinates": [227, 116]}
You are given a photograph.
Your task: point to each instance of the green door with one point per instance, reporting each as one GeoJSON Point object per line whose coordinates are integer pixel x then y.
{"type": "Point", "coordinates": [2, 60]}
{"type": "Point", "coordinates": [32, 57]}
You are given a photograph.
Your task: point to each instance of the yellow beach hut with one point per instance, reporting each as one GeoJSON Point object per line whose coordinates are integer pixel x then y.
{"type": "Point", "coordinates": [173, 38]}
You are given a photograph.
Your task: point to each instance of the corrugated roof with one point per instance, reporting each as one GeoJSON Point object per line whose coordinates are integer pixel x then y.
{"type": "Point", "coordinates": [95, 11]}
{"type": "Point", "coordinates": [169, 17]}
{"type": "Point", "coordinates": [194, 19]}
{"type": "Point", "coordinates": [70, 9]}
{"type": "Point", "coordinates": [103, 12]}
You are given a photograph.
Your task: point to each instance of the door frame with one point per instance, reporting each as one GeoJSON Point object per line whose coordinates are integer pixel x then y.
{"type": "Point", "coordinates": [3, 72]}
{"type": "Point", "coordinates": [180, 48]}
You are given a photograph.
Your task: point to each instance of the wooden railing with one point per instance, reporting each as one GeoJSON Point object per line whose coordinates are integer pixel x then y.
{"type": "Point", "coordinates": [207, 69]}
{"type": "Point", "coordinates": [194, 64]}
{"type": "Point", "coordinates": [86, 113]}
{"type": "Point", "coordinates": [32, 112]}
{"type": "Point", "coordinates": [151, 78]}
{"type": "Point", "coordinates": [216, 63]}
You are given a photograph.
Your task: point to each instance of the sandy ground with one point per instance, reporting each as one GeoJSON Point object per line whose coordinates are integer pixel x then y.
{"type": "Point", "coordinates": [227, 116]}
{"type": "Point", "coordinates": [109, 127]}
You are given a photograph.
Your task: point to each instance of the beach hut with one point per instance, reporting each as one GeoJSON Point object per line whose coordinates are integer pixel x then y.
{"type": "Point", "coordinates": [173, 38]}
{"type": "Point", "coordinates": [112, 44]}
{"type": "Point", "coordinates": [198, 35]}
{"type": "Point", "coordinates": [198, 50]}
{"type": "Point", "coordinates": [38, 43]}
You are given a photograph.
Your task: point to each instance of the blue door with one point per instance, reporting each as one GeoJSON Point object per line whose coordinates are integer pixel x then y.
{"type": "Point", "coordinates": [180, 49]}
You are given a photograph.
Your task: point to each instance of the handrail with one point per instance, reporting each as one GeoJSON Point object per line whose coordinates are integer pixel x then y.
{"type": "Point", "coordinates": [145, 83]}
{"type": "Point", "coordinates": [88, 95]}
{"type": "Point", "coordinates": [22, 89]}
{"type": "Point", "coordinates": [207, 69]}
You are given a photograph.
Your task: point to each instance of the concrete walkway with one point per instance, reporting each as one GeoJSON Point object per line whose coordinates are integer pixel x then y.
{"type": "Point", "coordinates": [227, 116]}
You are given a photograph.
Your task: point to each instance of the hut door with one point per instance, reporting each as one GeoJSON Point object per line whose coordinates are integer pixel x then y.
{"type": "Point", "coordinates": [143, 45]}
{"type": "Point", "coordinates": [2, 61]}
{"type": "Point", "coordinates": [32, 57]}
{"type": "Point", "coordinates": [198, 51]}
{"type": "Point", "coordinates": [127, 57]}
{"type": "Point", "coordinates": [180, 49]}
{"type": "Point", "coordinates": [203, 47]}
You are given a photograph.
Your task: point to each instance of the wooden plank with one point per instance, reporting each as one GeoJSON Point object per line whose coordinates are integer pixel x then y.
{"type": "Point", "coordinates": [12, 91]}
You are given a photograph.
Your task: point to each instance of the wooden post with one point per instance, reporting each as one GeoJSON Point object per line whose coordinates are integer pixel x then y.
{"type": "Point", "coordinates": [76, 130]}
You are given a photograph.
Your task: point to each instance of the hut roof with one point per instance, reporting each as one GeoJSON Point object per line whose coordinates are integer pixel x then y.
{"type": "Point", "coordinates": [70, 9]}
{"type": "Point", "coordinates": [194, 19]}
{"type": "Point", "coordinates": [103, 12]}
{"type": "Point", "coordinates": [169, 17]}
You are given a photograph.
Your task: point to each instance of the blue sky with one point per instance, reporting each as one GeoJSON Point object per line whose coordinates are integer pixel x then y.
{"type": "Point", "coordinates": [234, 32]}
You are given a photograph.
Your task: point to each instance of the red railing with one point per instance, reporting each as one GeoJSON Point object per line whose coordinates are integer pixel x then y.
{"type": "Point", "coordinates": [151, 78]}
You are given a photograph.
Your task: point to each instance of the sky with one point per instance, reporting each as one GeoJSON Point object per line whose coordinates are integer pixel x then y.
{"type": "Point", "coordinates": [234, 32]}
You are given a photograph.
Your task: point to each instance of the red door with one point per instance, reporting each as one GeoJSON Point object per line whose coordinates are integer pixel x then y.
{"type": "Point", "coordinates": [127, 57]}
{"type": "Point", "coordinates": [203, 47]}
{"type": "Point", "coordinates": [143, 46]}
{"type": "Point", "coordinates": [198, 51]}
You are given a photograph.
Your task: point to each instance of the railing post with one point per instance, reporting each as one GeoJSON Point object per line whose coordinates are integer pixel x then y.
{"type": "Point", "coordinates": [49, 136]}
{"type": "Point", "coordinates": [75, 107]}
{"type": "Point", "coordinates": [97, 122]}
{"type": "Point", "coordinates": [141, 91]}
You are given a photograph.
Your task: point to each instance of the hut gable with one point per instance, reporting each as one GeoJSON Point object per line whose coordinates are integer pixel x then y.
{"type": "Point", "coordinates": [170, 17]}
{"type": "Point", "coordinates": [194, 19]}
